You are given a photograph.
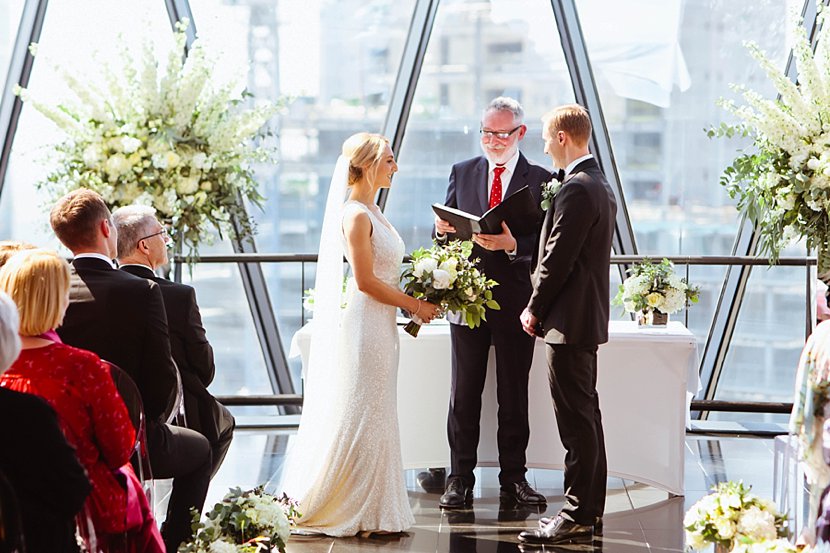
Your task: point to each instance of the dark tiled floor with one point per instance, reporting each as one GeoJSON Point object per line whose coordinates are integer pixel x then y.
{"type": "Point", "coordinates": [638, 517]}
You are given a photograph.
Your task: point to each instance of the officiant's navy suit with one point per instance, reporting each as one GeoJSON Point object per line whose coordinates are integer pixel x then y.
{"type": "Point", "coordinates": [570, 300]}
{"type": "Point", "coordinates": [468, 191]}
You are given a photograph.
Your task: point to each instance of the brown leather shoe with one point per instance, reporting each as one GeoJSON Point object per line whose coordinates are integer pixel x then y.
{"type": "Point", "coordinates": [561, 529]}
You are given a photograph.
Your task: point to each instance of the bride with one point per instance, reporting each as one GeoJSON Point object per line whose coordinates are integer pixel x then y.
{"type": "Point", "coordinates": [344, 466]}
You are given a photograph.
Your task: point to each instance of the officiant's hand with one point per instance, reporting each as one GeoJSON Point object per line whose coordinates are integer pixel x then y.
{"type": "Point", "coordinates": [496, 242]}
{"type": "Point", "coordinates": [529, 322]}
{"type": "Point", "coordinates": [443, 227]}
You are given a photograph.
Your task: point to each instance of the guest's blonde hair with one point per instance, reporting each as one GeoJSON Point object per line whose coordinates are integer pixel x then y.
{"type": "Point", "coordinates": [10, 247]}
{"type": "Point", "coordinates": [38, 282]}
{"type": "Point", "coordinates": [572, 119]}
{"type": "Point", "coordinates": [363, 150]}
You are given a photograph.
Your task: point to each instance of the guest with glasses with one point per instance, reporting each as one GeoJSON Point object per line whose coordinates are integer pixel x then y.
{"type": "Point", "coordinates": [142, 249]}
{"type": "Point", "coordinates": [476, 185]}
{"type": "Point", "coordinates": [121, 317]}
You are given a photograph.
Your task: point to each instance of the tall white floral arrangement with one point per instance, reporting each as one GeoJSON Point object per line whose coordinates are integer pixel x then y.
{"type": "Point", "coordinates": [783, 181]}
{"type": "Point", "coordinates": [165, 137]}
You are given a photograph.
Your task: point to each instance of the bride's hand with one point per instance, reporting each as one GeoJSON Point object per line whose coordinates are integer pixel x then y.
{"type": "Point", "coordinates": [429, 311]}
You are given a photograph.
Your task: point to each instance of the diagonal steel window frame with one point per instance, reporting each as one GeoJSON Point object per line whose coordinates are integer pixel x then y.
{"type": "Point", "coordinates": [253, 278]}
{"type": "Point", "coordinates": [20, 70]}
{"type": "Point", "coordinates": [736, 280]}
{"type": "Point", "coordinates": [586, 93]}
{"type": "Point", "coordinates": [409, 70]}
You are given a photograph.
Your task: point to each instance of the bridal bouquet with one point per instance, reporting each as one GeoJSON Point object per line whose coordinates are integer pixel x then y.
{"type": "Point", "coordinates": [244, 522]}
{"type": "Point", "coordinates": [783, 182]}
{"type": "Point", "coordinates": [445, 275]}
{"type": "Point", "coordinates": [168, 139]}
{"type": "Point", "coordinates": [654, 288]}
{"type": "Point", "coordinates": [732, 515]}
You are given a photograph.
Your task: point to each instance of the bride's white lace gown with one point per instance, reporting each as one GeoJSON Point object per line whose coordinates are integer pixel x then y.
{"type": "Point", "coordinates": [345, 466]}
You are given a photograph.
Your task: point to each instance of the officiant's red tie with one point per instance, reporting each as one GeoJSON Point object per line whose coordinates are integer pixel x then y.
{"type": "Point", "coordinates": [495, 191]}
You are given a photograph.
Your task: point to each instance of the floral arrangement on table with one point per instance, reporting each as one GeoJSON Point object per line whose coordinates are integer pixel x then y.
{"type": "Point", "coordinates": [780, 545]}
{"type": "Point", "coordinates": [244, 522]}
{"type": "Point", "coordinates": [168, 139]}
{"type": "Point", "coordinates": [731, 515]}
{"type": "Point", "coordinates": [445, 275]}
{"type": "Point", "coordinates": [783, 182]}
{"type": "Point", "coordinates": [655, 288]}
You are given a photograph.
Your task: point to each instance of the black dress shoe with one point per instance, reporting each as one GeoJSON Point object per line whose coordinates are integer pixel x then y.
{"type": "Point", "coordinates": [544, 521]}
{"type": "Point", "coordinates": [560, 530]}
{"type": "Point", "coordinates": [521, 493]}
{"type": "Point", "coordinates": [457, 495]}
{"type": "Point", "coordinates": [432, 480]}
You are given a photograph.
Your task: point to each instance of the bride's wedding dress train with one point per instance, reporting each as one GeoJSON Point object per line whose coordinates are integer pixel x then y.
{"type": "Point", "coordinates": [345, 466]}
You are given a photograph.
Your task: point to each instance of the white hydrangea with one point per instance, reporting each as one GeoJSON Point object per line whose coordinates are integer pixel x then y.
{"type": "Point", "coordinates": [221, 546]}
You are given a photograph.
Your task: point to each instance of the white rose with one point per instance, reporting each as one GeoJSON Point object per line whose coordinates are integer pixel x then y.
{"type": "Point", "coordinates": [172, 159]}
{"type": "Point", "coordinates": [424, 266]}
{"type": "Point", "coordinates": [129, 144]}
{"type": "Point", "coordinates": [199, 161]}
{"type": "Point", "coordinates": [449, 267]}
{"type": "Point", "coordinates": [440, 279]}
{"type": "Point", "coordinates": [159, 161]}
{"type": "Point", "coordinates": [92, 155]}
{"type": "Point", "coordinates": [725, 528]}
{"type": "Point", "coordinates": [813, 163]}
{"type": "Point", "coordinates": [757, 524]}
{"type": "Point", "coordinates": [116, 165]}
{"type": "Point", "coordinates": [188, 185]}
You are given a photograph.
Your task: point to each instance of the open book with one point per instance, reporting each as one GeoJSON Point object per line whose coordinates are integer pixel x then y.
{"type": "Point", "coordinates": [519, 210]}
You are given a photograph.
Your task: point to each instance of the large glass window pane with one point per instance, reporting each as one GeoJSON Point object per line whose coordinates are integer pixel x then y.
{"type": "Point", "coordinates": [10, 11]}
{"type": "Point", "coordinates": [334, 62]}
{"type": "Point", "coordinates": [763, 355]}
{"type": "Point", "coordinates": [477, 51]}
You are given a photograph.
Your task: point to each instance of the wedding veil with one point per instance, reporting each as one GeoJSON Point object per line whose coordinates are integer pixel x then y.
{"type": "Point", "coordinates": [320, 394]}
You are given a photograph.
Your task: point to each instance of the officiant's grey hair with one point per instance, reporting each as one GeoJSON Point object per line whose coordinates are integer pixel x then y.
{"type": "Point", "coordinates": [133, 222]}
{"type": "Point", "coordinates": [506, 103]}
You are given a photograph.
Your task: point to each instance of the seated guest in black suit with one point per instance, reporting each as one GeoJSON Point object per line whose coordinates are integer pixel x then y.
{"type": "Point", "coordinates": [47, 479]}
{"type": "Point", "coordinates": [142, 248]}
{"type": "Point", "coordinates": [121, 318]}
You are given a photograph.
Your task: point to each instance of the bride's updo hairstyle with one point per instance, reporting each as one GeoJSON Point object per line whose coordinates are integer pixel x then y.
{"type": "Point", "coordinates": [363, 150]}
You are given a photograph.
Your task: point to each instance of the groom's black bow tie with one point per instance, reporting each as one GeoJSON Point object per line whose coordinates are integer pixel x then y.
{"type": "Point", "coordinates": [560, 175]}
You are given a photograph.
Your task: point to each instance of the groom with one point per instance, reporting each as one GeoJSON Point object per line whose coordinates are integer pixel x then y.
{"type": "Point", "coordinates": [475, 186]}
{"type": "Point", "coordinates": [569, 309]}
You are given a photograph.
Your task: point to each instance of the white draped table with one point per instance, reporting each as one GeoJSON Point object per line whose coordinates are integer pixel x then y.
{"type": "Point", "coordinates": [646, 380]}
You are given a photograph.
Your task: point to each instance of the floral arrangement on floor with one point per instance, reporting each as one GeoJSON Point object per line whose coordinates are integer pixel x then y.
{"type": "Point", "coordinates": [783, 182]}
{"type": "Point", "coordinates": [731, 515]}
{"type": "Point", "coordinates": [655, 287]}
{"type": "Point", "coordinates": [170, 139]}
{"type": "Point", "coordinates": [767, 546]}
{"type": "Point", "coordinates": [445, 275]}
{"type": "Point", "coordinates": [244, 522]}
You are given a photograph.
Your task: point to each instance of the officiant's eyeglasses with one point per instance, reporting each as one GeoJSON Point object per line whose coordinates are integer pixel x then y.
{"type": "Point", "coordinates": [163, 233]}
{"type": "Point", "coordinates": [498, 134]}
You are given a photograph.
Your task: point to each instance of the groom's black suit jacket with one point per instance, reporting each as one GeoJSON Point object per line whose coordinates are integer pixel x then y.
{"type": "Point", "coordinates": [121, 318]}
{"type": "Point", "coordinates": [571, 282]}
{"type": "Point", "coordinates": [467, 191]}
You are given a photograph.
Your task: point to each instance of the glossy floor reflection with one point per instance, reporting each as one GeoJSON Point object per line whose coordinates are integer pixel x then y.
{"type": "Point", "coordinates": [638, 517]}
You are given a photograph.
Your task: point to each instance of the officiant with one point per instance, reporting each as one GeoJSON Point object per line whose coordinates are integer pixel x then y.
{"type": "Point", "coordinates": [476, 185]}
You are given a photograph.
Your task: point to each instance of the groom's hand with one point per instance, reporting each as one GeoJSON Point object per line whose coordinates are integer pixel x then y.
{"type": "Point", "coordinates": [496, 242]}
{"type": "Point", "coordinates": [529, 322]}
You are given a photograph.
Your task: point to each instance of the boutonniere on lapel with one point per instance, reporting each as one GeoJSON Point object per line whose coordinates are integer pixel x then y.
{"type": "Point", "coordinates": [549, 190]}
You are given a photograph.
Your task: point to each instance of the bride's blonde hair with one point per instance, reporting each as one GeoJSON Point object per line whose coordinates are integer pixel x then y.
{"type": "Point", "coordinates": [363, 150]}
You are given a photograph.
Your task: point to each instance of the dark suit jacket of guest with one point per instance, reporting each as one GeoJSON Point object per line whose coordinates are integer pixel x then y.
{"type": "Point", "coordinates": [571, 293]}
{"type": "Point", "coordinates": [192, 352]}
{"type": "Point", "coordinates": [467, 191]}
{"type": "Point", "coordinates": [122, 319]}
{"type": "Point", "coordinates": [44, 472]}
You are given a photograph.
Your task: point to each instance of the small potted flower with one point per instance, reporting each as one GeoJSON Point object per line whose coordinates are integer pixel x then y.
{"type": "Point", "coordinates": [654, 291]}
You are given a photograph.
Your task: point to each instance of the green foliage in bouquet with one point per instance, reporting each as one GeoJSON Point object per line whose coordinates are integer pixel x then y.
{"type": "Point", "coordinates": [170, 139]}
{"type": "Point", "coordinates": [653, 287]}
{"type": "Point", "coordinates": [782, 182]}
{"type": "Point", "coordinates": [244, 522]}
{"type": "Point", "coordinates": [445, 275]}
{"type": "Point", "coordinates": [731, 515]}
